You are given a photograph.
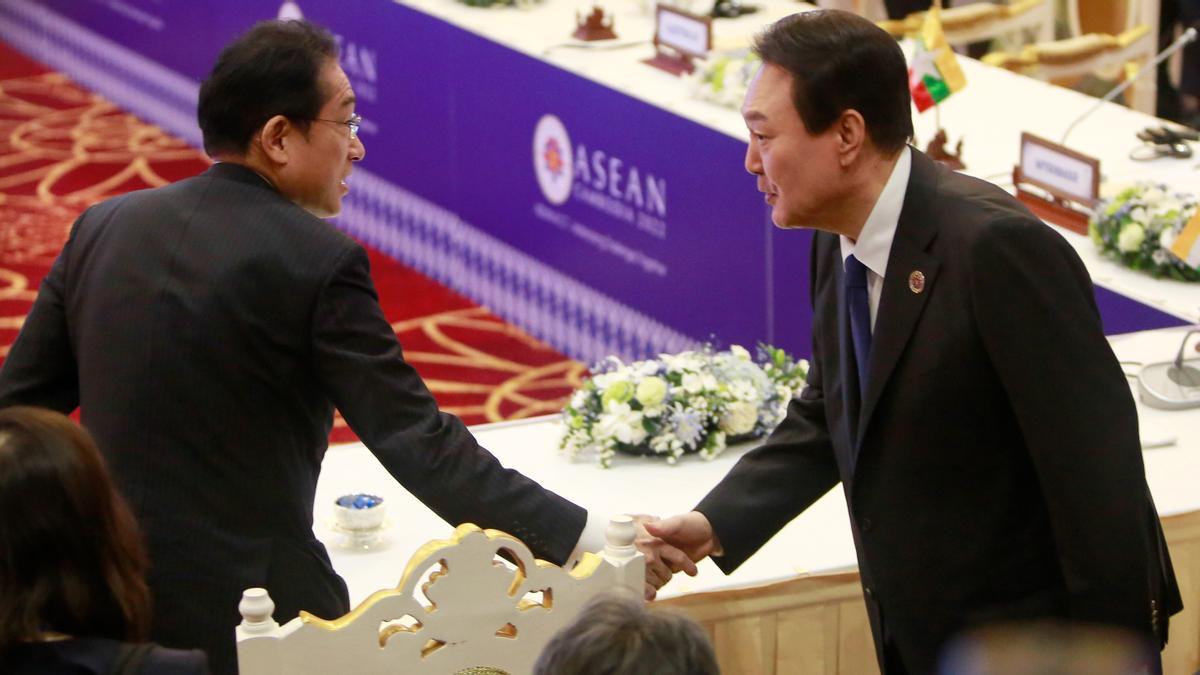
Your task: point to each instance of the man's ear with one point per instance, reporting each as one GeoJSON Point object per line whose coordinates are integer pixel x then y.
{"type": "Point", "coordinates": [852, 135]}
{"type": "Point", "coordinates": [276, 137]}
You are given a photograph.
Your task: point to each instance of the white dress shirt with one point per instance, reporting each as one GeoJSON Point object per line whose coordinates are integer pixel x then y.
{"type": "Point", "coordinates": [874, 243]}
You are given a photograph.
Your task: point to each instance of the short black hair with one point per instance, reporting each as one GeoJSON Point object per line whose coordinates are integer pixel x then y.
{"type": "Point", "coordinates": [841, 61]}
{"type": "Point", "coordinates": [272, 69]}
{"type": "Point", "coordinates": [616, 634]}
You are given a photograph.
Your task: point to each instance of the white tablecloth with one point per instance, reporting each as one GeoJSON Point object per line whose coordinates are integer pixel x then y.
{"type": "Point", "coordinates": [818, 541]}
{"type": "Point", "coordinates": [990, 113]}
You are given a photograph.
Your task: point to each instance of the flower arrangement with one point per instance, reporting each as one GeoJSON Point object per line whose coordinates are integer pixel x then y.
{"type": "Point", "coordinates": [1138, 226]}
{"type": "Point", "coordinates": [723, 78]}
{"type": "Point", "coordinates": [691, 402]}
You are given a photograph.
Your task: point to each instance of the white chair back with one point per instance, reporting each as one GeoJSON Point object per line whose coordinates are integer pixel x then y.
{"type": "Point", "coordinates": [475, 613]}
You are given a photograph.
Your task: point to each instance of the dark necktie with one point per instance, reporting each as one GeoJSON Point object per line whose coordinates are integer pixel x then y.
{"type": "Point", "coordinates": [860, 318]}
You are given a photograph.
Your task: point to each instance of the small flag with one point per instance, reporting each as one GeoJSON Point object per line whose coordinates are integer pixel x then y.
{"type": "Point", "coordinates": [1186, 246]}
{"type": "Point", "coordinates": [934, 73]}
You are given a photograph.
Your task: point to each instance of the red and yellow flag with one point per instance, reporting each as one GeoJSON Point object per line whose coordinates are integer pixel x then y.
{"type": "Point", "coordinates": [934, 73]}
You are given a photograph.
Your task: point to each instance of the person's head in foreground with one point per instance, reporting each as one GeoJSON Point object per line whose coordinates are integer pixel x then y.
{"type": "Point", "coordinates": [616, 634]}
{"type": "Point", "coordinates": [1047, 648]}
{"type": "Point", "coordinates": [278, 102]}
{"type": "Point", "coordinates": [828, 113]}
{"type": "Point", "coordinates": [71, 557]}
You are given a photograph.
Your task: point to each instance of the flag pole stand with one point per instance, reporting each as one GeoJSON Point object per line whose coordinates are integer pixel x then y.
{"type": "Point", "coordinates": [937, 147]}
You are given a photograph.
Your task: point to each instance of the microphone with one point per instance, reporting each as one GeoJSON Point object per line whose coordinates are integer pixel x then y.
{"type": "Point", "coordinates": [1171, 385]}
{"type": "Point", "coordinates": [1188, 35]}
{"type": "Point", "coordinates": [1178, 363]}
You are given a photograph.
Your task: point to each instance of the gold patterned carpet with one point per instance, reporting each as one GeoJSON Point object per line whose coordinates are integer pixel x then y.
{"type": "Point", "coordinates": [63, 148]}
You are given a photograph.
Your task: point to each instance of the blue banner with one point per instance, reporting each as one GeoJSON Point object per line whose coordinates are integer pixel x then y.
{"type": "Point", "coordinates": [597, 222]}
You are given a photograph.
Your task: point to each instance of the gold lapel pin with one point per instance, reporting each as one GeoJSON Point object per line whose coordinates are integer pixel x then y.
{"type": "Point", "coordinates": [916, 281]}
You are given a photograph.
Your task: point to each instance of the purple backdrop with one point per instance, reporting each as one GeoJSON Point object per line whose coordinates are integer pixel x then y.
{"type": "Point", "coordinates": [595, 221]}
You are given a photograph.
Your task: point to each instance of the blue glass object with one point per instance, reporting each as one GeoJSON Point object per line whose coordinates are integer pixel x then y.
{"type": "Point", "coordinates": [359, 501]}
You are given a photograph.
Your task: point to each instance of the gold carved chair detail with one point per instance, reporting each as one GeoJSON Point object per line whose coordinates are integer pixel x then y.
{"type": "Point", "coordinates": [982, 21]}
{"type": "Point", "coordinates": [1064, 60]}
{"type": "Point", "coordinates": [477, 603]}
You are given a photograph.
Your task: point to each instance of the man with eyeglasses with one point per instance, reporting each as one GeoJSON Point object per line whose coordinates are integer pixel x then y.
{"type": "Point", "coordinates": [208, 328]}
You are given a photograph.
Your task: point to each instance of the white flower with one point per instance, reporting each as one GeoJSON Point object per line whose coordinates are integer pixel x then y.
{"type": "Point", "coordinates": [651, 391]}
{"type": "Point", "coordinates": [1153, 195]}
{"type": "Point", "coordinates": [604, 379]}
{"type": "Point", "coordinates": [739, 418]}
{"type": "Point", "coordinates": [739, 352]}
{"type": "Point", "coordinates": [621, 422]}
{"type": "Point", "coordinates": [715, 445]}
{"type": "Point", "coordinates": [579, 398]}
{"type": "Point", "coordinates": [692, 383]}
{"type": "Point", "coordinates": [1131, 238]}
{"type": "Point", "coordinates": [1139, 216]}
{"type": "Point", "coordinates": [744, 391]}
{"type": "Point", "coordinates": [1167, 238]}
{"type": "Point", "coordinates": [646, 368]}
{"type": "Point", "coordinates": [1167, 206]}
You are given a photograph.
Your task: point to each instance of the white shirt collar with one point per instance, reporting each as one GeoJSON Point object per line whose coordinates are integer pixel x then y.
{"type": "Point", "coordinates": [874, 243]}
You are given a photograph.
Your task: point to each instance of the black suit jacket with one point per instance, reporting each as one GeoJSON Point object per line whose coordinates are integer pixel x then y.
{"type": "Point", "coordinates": [207, 329]}
{"type": "Point", "coordinates": [995, 471]}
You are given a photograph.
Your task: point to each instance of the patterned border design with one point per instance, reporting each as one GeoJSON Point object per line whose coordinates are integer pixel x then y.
{"type": "Point", "coordinates": [575, 319]}
{"type": "Point", "coordinates": [553, 307]}
{"type": "Point", "coordinates": [132, 81]}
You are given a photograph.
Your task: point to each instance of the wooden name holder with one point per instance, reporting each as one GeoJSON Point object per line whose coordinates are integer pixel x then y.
{"type": "Point", "coordinates": [679, 37]}
{"type": "Point", "coordinates": [1071, 179]}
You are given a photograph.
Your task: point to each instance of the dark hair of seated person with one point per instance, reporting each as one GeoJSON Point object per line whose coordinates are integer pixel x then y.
{"type": "Point", "coordinates": [72, 563]}
{"type": "Point", "coordinates": [617, 634]}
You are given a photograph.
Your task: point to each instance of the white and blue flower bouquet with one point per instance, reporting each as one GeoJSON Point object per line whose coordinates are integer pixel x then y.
{"type": "Point", "coordinates": [723, 77]}
{"type": "Point", "coordinates": [1138, 225]}
{"type": "Point", "coordinates": [692, 402]}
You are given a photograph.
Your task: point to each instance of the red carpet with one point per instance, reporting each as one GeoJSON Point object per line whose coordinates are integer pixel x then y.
{"type": "Point", "coordinates": [63, 149]}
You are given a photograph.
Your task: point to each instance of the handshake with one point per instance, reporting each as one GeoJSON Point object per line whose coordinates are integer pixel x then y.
{"type": "Point", "coordinates": [673, 545]}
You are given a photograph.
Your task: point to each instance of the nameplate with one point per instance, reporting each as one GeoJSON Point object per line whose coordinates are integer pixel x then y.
{"type": "Point", "coordinates": [1062, 172]}
{"type": "Point", "coordinates": [684, 32]}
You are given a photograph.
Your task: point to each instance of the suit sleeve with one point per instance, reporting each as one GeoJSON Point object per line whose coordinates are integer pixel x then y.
{"type": "Point", "coordinates": [1035, 309]}
{"type": "Point", "coordinates": [432, 454]}
{"type": "Point", "coordinates": [774, 483]}
{"type": "Point", "coordinates": [40, 369]}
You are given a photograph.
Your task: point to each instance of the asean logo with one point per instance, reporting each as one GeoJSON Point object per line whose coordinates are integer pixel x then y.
{"type": "Point", "coordinates": [552, 161]}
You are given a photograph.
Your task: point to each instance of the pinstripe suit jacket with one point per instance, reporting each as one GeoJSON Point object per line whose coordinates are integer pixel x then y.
{"type": "Point", "coordinates": [994, 471]}
{"type": "Point", "coordinates": [206, 330]}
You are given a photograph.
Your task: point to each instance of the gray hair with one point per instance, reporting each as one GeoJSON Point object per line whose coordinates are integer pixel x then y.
{"type": "Point", "coordinates": [616, 634]}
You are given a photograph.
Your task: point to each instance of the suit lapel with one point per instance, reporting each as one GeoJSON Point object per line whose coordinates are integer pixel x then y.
{"type": "Point", "coordinates": [899, 305]}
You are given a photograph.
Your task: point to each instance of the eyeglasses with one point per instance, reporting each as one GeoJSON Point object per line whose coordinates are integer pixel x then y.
{"type": "Point", "coordinates": [354, 123]}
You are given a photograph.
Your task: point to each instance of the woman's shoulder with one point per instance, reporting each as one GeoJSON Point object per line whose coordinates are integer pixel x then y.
{"type": "Point", "coordinates": [101, 656]}
{"type": "Point", "coordinates": [165, 661]}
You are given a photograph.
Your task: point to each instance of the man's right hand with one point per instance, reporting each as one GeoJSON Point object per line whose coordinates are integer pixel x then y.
{"type": "Point", "coordinates": [688, 532]}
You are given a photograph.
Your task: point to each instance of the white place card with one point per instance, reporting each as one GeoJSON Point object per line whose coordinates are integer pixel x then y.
{"type": "Point", "coordinates": [1059, 170]}
{"type": "Point", "coordinates": [684, 32]}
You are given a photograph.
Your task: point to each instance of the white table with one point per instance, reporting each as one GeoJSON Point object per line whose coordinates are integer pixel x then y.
{"type": "Point", "coordinates": [817, 541]}
{"type": "Point", "coordinates": [989, 114]}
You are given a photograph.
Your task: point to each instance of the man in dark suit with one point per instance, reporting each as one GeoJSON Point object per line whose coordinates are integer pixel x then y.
{"type": "Point", "coordinates": [961, 388]}
{"type": "Point", "coordinates": [207, 329]}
